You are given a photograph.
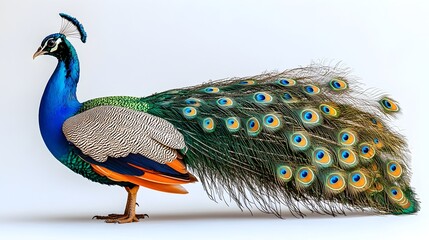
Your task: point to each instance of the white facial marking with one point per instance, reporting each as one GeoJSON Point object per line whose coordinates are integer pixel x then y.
{"type": "Point", "coordinates": [56, 45]}
{"type": "Point", "coordinates": [45, 44]}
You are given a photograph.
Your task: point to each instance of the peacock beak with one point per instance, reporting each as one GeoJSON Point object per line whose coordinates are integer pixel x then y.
{"type": "Point", "coordinates": [39, 52]}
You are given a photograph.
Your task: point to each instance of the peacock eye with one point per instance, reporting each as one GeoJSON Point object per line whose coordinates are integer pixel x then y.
{"type": "Point", "coordinates": [51, 43]}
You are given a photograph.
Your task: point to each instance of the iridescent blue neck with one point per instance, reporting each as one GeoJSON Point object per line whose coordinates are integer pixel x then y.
{"type": "Point", "coordinates": [59, 102]}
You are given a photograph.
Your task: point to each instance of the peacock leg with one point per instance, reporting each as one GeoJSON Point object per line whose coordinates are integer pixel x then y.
{"type": "Point", "coordinates": [129, 213]}
{"type": "Point", "coordinates": [130, 209]}
{"type": "Point", "coordinates": [115, 215]}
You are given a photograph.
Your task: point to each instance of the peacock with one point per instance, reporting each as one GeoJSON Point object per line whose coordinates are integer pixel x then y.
{"type": "Point", "coordinates": [305, 138]}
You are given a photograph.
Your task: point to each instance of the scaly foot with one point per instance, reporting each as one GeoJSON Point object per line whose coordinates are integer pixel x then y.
{"type": "Point", "coordinates": [118, 216]}
{"type": "Point", "coordinates": [129, 215]}
{"type": "Point", "coordinates": [125, 219]}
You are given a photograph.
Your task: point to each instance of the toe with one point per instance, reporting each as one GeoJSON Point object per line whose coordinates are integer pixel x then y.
{"type": "Point", "coordinates": [142, 216]}
{"type": "Point", "coordinates": [110, 216]}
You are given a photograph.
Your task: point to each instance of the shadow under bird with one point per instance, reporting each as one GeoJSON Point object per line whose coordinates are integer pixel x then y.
{"type": "Point", "coordinates": [302, 138]}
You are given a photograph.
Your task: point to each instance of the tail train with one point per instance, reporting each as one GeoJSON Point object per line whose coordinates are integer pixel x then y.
{"type": "Point", "coordinates": [304, 138]}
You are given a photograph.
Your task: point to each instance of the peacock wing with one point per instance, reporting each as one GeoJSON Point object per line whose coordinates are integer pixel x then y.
{"type": "Point", "coordinates": [130, 146]}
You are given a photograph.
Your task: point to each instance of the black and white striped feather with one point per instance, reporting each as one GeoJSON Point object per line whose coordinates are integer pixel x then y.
{"type": "Point", "coordinates": [110, 131]}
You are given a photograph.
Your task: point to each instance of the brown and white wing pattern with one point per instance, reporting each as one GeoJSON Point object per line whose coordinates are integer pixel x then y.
{"type": "Point", "coordinates": [110, 131]}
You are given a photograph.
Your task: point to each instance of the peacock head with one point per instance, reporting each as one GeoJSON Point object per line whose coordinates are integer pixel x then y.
{"type": "Point", "coordinates": [57, 44]}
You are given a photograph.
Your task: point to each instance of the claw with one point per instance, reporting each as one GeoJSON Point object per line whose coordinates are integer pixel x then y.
{"type": "Point", "coordinates": [121, 218]}
{"type": "Point", "coordinates": [142, 216]}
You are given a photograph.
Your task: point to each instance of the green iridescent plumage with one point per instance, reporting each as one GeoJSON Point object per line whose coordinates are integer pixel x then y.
{"type": "Point", "coordinates": [79, 166]}
{"type": "Point", "coordinates": [120, 101]}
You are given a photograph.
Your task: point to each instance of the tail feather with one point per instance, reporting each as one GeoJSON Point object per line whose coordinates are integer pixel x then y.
{"type": "Point", "coordinates": [306, 137]}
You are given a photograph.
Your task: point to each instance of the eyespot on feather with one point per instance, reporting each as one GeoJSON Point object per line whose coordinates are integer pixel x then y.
{"type": "Point", "coordinates": [253, 126]}
{"type": "Point", "coordinates": [347, 158]}
{"type": "Point", "coordinates": [286, 82]}
{"type": "Point", "coordinates": [271, 121]}
{"type": "Point", "coordinates": [189, 112]}
{"type": "Point", "coordinates": [389, 105]}
{"type": "Point", "coordinates": [284, 173]}
{"type": "Point", "coordinates": [347, 137]}
{"type": "Point", "coordinates": [378, 143]}
{"type": "Point", "coordinates": [208, 124]}
{"type": "Point", "coordinates": [310, 117]}
{"type": "Point", "coordinates": [299, 141]}
{"type": "Point", "coordinates": [311, 89]}
{"type": "Point", "coordinates": [247, 82]}
{"type": "Point", "coordinates": [395, 193]}
{"type": "Point", "coordinates": [394, 169]}
{"type": "Point", "coordinates": [262, 97]}
{"type": "Point", "coordinates": [322, 157]}
{"type": "Point", "coordinates": [211, 90]}
{"type": "Point", "coordinates": [304, 176]}
{"type": "Point", "coordinates": [225, 102]}
{"type": "Point", "coordinates": [335, 183]}
{"type": "Point", "coordinates": [366, 151]}
{"type": "Point", "coordinates": [397, 196]}
{"type": "Point", "coordinates": [195, 102]}
{"type": "Point", "coordinates": [338, 84]}
{"type": "Point", "coordinates": [377, 123]}
{"type": "Point", "coordinates": [358, 181]}
{"type": "Point", "coordinates": [232, 124]}
{"type": "Point", "coordinates": [289, 98]}
{"type": "Point", "coordinates": [329, 110]}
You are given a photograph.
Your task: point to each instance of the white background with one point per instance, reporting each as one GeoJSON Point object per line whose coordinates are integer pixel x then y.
{"type": "Point", "coordinates": [140, 47]}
